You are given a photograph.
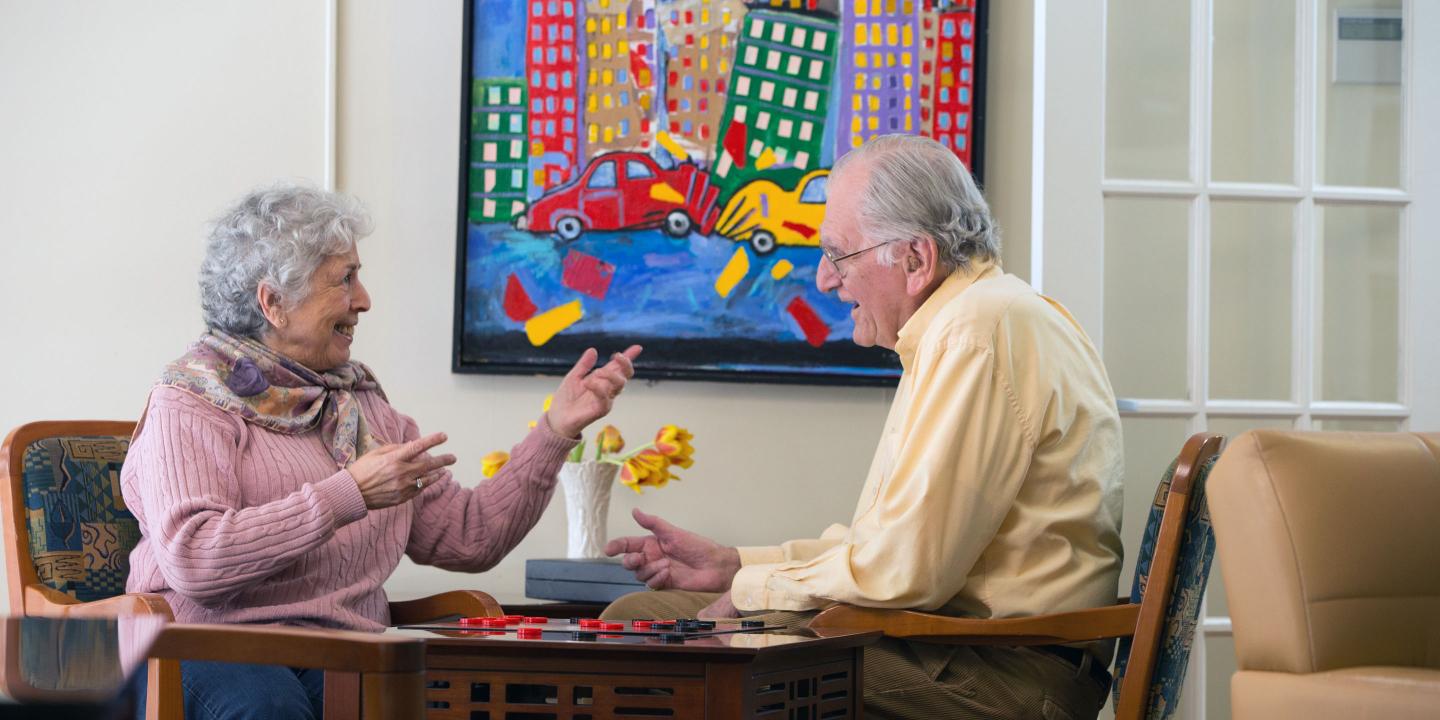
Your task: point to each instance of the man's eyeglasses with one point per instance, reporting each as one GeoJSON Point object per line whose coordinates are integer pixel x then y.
{"type": "Point", "coordinates": [835, 261]}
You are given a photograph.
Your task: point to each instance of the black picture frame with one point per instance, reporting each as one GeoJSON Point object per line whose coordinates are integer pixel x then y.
{"type": "Point", "coordinates": [488, 337]}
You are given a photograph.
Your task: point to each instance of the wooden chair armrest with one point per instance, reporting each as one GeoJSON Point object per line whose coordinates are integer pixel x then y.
{"type": "Point", "coordinates": [1059, 628]}
{"type": "Point", "coordinates": [341, 650]}
{"type": "Point", "coordinates": [456, 603]}
{"type": "Point", "coordinates": [45, 601]}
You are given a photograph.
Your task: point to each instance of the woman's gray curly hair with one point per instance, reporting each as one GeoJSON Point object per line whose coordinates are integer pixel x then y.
{"type": "Point", "coordinates": [917, 187]}
{"type": "Point", "coordinates": [278, 236]}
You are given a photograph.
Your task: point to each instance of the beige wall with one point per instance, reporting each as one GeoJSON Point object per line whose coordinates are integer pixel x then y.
{"type": "Point", "coordinates": [132, 127]}
{"type": "Point", "coordinates": [122, 131]}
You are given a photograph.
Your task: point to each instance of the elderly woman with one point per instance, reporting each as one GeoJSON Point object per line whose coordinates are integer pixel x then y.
{"type": "Point", "coordinates": [273, 480]}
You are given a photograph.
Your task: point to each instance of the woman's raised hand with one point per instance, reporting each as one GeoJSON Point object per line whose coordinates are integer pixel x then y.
{"type": "Point", "coordinates": [586, 395]}
{"type": "Point", "coordinates": [392, 474]}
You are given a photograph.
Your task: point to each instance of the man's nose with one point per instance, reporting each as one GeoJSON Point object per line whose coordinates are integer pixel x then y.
{"type": "Point", "coordinates": [827, 279]}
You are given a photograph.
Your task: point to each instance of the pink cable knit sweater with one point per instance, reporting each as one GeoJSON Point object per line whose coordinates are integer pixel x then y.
{"type": "Point", "coordinates": [240, 524]}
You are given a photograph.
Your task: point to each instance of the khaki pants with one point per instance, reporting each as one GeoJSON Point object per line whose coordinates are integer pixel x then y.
{"type": "Point", "coordinates": [924, 680]}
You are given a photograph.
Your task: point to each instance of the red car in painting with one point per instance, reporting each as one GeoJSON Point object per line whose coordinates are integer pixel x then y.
{"type": "Point", "coordinates": [627, 191]}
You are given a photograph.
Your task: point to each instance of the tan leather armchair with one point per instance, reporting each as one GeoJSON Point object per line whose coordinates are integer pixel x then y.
{"type": "Point", "coordinates": [1330, 547]}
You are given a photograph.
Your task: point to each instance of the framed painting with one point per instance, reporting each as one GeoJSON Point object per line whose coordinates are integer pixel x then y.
{"type": "Point", "coordinates": [654, 172]}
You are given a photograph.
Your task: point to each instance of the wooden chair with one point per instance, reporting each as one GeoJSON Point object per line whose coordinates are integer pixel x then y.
{"type": "Point", "coordinates": [68, 536]}
{"type": "Point", "coordinates": [67, 533]}
{"type": "Point", "coordinates": [1156, 625]}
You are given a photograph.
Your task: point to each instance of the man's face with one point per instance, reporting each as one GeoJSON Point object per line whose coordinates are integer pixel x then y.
{"type": "Point", "coordinates": [876, 292]}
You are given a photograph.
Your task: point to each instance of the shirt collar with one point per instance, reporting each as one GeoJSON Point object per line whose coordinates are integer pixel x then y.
{"type": "Point", "coordinates": [956, 283]}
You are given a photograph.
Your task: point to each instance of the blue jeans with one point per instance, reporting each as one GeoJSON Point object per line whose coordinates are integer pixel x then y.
{"type": "Point", "coordinates": [234, 691]}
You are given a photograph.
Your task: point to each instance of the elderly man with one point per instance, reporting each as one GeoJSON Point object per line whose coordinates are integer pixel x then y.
{"type": "Point", "coordinates": [995, 490]}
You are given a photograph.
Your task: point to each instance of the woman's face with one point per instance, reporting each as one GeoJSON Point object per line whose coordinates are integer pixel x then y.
{"type": "Point", "coordinates": [318, 332]}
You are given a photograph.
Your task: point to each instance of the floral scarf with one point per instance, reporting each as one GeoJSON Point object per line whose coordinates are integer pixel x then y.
{"type": "Point", "coordinates": [244, 377]}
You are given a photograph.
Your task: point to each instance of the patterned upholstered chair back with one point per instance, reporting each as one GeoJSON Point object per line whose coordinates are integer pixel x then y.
{"type": "Point", "coordinates": [66, 524]}
{"type": "Point", "coordinates": [1182, 612]}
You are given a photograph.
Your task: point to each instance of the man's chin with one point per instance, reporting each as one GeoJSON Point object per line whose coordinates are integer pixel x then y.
{"type": "Point", "coordinates": [862, 340]}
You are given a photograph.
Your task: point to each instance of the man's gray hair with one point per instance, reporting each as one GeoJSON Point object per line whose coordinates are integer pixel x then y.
{"type": "Point", "coordinates": [917, 187]}
{"type": "Point", "coordinates": [277, 236]}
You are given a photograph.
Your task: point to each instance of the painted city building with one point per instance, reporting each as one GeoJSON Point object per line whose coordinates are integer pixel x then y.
{"type": "Point", "coordinates": [777, 98]}
{"type": "Point", "coordinates": [879, 72]}
{"type": "Point", "coordinates": [554, 65]}
{"type": "Point", "coordinates": [620, 75]}
{"type": "Point", "coordinates": [828, 7]}
{"type": "Point", "coordinates": [699, 39]}
{"type": "Point", "coordinates": [929, 13]}
{"type": "Point", "coordinates": [947, 68]}
{"type": "Point", "coordinates": [498, 158]}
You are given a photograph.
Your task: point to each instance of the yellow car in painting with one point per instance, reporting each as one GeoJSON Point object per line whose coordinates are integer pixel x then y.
{"type": "Point", "coordinates": [765, 216]}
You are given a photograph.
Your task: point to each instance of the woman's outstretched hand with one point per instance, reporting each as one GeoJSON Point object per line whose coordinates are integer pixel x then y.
{"type": "Point", "coordinates": [587, 393]}
{"type": "Point", "coordinates": [393, 474]}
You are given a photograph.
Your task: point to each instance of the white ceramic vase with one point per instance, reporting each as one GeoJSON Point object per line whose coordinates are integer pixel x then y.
{"type": "Point", "coordinates": [587, 504]}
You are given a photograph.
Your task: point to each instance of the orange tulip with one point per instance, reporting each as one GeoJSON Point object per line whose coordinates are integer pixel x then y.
{"type": "Point", "coordinates": [610, 440]}
{"type": "Point", "coordinates": [646, 467]}
{"type": "Point", "coordinates": [674, 443]}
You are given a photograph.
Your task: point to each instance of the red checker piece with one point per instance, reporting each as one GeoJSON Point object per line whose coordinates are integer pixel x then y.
{"type": "Point", "coordinates": [536, 620]}
{"type": "Point", "coordinates": [473, 620]}
{"type": "Point", "coordinates": [590, 623]}
{"type": "Point", "coordinates": [642, 624]}
{"type": "Point", "coordinates": [514, 619]}
{"type": "Point", "coordinates": [612, 626]}
{"type": "Point", "coordinates": [525, 633]}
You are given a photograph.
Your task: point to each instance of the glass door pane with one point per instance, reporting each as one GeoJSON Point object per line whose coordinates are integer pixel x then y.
{"type": "Point", "coordinates": [1359, 315]}
{"type": "Point", "coordinates": [1146, 282]}
{"type": "Point", "coordinates": [1252, 113]}
{"type": "Point", "coordinates": [1147, 89]}
{"type": "Point", "coordinates": [1359, 93]}
{"type": "Point", "coordinates": [1251, 256]}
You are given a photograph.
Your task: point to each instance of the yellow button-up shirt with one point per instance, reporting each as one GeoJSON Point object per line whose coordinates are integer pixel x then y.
{"type": "Point", "coordinates": [996, 488]}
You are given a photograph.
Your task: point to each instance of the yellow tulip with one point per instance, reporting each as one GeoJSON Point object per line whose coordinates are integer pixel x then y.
{"type": "Point", "coordinates": [610, 439]}
{"type": "Point", "coordinates": [646, 467]}
{"type": "Point", "coordinates": [544, 408]}
{"type": "Point", "coordinates": [674, 443]}
{"type": "Point", "coordinates": [491, 464]}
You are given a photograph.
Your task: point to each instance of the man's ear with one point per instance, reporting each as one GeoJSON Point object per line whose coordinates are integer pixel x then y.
{"type": "Point", "coordinates": [921, 262]}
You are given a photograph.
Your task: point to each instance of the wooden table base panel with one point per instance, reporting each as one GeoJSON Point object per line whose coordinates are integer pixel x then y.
{"type": "Point", "coordinates": [461, 694]}
{"type": "Point", "coordinates": [822, 689]}
{"type": "Point", "coordinates": [821, 692]}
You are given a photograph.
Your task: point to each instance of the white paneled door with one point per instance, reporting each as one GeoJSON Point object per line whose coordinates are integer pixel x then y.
{"type": "Point", "coordinates": [1267, 241]}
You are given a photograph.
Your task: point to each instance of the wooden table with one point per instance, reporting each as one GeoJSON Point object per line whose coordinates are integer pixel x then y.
{"type": "Point", "coordinates": [783, 674]}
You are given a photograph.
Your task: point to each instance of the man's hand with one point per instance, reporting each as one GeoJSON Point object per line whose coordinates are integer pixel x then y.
{"type": "Point", "coordinates": [672, 558]}
{"type": "Point", "coordinates": [721, 609]}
